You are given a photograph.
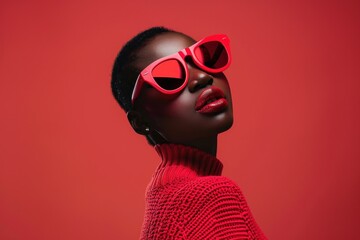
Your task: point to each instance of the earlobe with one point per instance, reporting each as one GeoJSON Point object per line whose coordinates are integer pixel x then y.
{"type": "Point", "coordinates": [140, 125]}
{"type": "Point", "coordinates": [137, 122]}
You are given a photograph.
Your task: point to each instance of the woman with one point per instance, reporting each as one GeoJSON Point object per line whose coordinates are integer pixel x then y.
{"type": "Point", "coordinates": [175, 93]}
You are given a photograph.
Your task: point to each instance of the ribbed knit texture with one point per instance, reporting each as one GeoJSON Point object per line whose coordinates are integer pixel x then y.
{"type": "Point", "coordinates": [188, 199]}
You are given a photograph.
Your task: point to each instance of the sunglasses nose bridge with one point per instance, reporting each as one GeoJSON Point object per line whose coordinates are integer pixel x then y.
{"type": "Point", "coordinates": [184, 53]}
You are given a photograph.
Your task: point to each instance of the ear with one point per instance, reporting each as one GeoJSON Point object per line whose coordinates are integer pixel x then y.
{"type": "Point", "coordinates": [137, 122]}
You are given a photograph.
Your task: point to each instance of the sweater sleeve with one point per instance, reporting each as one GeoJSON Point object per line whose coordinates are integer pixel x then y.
{"type": "Point", "coordinates": [217, 209]}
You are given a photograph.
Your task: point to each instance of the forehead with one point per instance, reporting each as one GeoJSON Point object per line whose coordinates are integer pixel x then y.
{"type": "Point", "coordinates": [160, 46]}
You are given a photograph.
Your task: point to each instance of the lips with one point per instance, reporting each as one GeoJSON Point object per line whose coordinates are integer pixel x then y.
{"type": "Point", "coordinates": [211, 101]}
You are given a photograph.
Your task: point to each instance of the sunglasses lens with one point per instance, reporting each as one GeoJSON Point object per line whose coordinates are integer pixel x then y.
{"type": "Point", "coordinates": [169, 74]}
{"type": "Point", "coordinates": [212, 54]}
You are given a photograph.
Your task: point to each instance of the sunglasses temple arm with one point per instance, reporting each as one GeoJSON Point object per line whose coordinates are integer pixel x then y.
{"type": "Point", "coordinates": [137, 88]}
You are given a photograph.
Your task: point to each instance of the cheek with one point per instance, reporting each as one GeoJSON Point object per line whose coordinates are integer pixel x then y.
{"type": "Point", "coordinates": [155, 104]}
{"type": "Point", "coordinates": [168, 115]}
{"type": "Point", "coordinates": [178, 110]}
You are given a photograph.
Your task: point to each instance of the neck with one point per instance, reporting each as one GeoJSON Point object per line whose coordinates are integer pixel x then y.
{"type": "Point", "coordinates": [184, 162]}
{"type": "Point", "coordinates": [208, 144]}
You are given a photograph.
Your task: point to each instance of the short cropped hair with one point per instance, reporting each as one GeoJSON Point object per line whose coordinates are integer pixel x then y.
{"type": "Point", "coordinates": [123, 74]}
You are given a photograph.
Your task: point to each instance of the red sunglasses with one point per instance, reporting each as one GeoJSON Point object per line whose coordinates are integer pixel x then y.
{"type": "Point", "coordinates": [169, 75]}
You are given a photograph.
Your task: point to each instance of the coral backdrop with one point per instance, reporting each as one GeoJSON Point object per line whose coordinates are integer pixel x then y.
{"type": "Point", "coordinates": [72, 168]}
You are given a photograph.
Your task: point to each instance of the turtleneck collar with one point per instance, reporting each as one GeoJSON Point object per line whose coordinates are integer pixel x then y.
{"type": "Point", "coordinates": [201, 162]}
{"type": "Point", "coordinates": [180, 161]}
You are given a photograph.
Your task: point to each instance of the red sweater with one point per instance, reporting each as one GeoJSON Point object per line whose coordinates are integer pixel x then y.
{"type": "Point", "coordinates": [188, 199]}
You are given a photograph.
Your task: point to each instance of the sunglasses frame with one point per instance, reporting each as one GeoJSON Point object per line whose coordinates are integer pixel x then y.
{"type": "Point", "coordinates": [146, 76]}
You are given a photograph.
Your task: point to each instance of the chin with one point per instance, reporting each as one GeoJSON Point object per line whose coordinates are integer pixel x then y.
{"type": "Point", "coordinates": [226, 124]}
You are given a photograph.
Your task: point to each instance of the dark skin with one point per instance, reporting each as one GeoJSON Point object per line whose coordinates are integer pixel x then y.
{"type": "Point", "coordinates": [173, 119]}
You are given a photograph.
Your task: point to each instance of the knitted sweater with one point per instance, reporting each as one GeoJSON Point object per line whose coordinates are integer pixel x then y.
{"type": "Point", "coordinates": [188, 199]}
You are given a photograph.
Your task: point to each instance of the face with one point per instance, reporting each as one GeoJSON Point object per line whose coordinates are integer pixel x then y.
{"type": "Point", "coordinates": [201, 111]}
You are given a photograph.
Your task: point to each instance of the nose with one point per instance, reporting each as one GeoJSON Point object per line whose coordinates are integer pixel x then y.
{"type": "Point", "coordinates": [198, 79]}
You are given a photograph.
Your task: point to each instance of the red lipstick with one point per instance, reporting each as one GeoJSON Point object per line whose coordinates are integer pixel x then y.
{"type": "Point", "coordinates": [211, 101]}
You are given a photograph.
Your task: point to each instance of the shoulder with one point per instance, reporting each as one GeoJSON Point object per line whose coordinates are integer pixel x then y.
{"type": "Point", "coordinates": [199, 192]}
{"type": "Point", "coordinates": [211, 190]}
{"type": "Point", "coordinates": [212, 184]}
{"type": "Point", "coordinates": [216, 207]}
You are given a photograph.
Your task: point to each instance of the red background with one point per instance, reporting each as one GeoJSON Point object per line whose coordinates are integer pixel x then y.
{"type": "Point", "coordinates": [72, 168]}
